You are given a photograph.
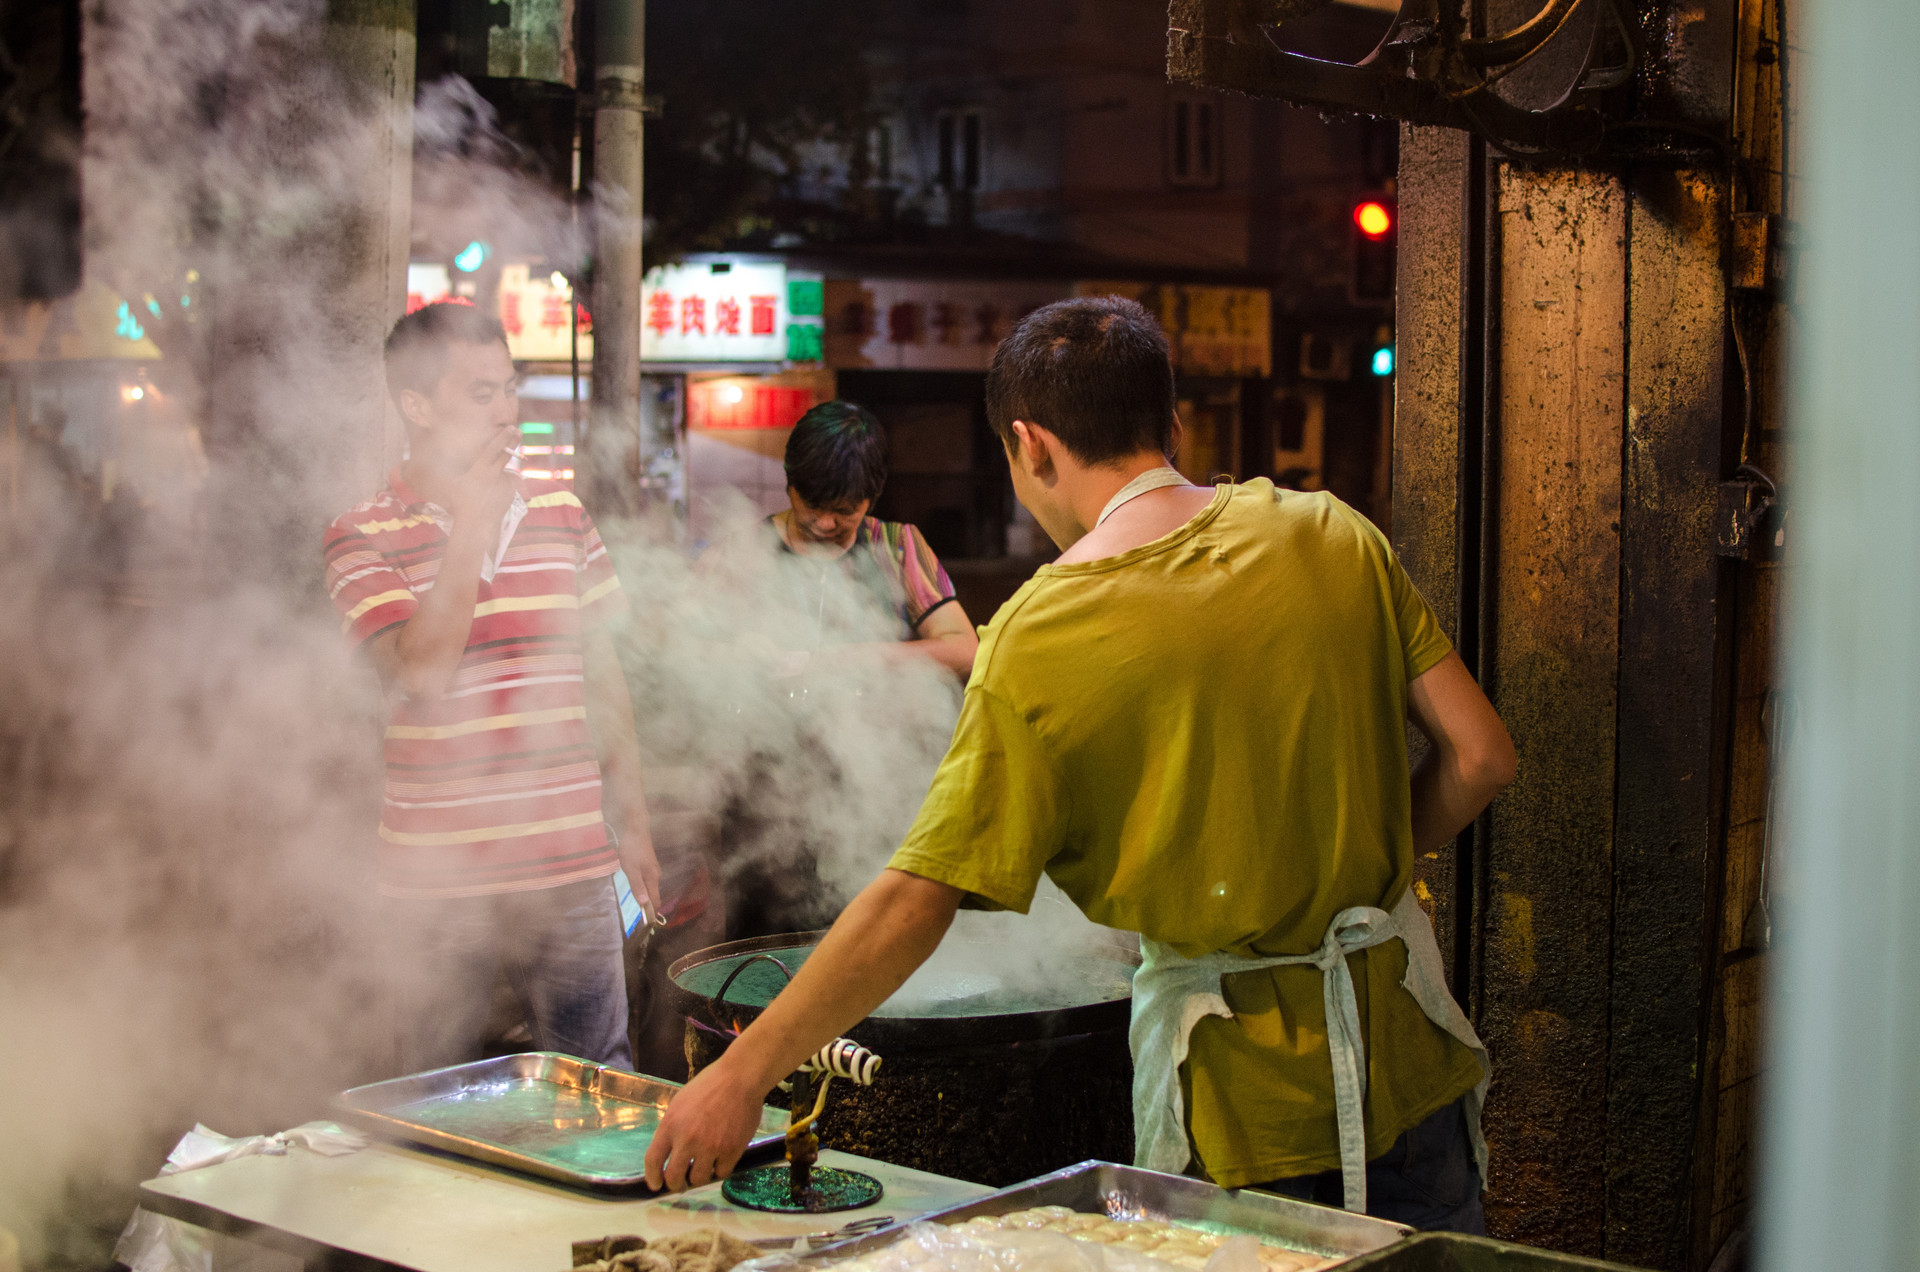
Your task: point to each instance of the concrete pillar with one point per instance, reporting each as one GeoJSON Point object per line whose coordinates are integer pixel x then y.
{"type": "Point", "coordinates": [613, 456]}
{"type": "Point", "coordinates": [306, 271]}
{"type": "Point", "coordinates": [1841, 1165]}
{"type": "Point", "coordinates": [1436, 443]}
{"type": "Point", "coordinates": [372, 46]}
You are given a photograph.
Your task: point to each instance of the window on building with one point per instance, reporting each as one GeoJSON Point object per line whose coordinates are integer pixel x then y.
{"type": "Point", "coordinates": [959, 142]}
{"type": "Point", "coordinates": [1193, 140]}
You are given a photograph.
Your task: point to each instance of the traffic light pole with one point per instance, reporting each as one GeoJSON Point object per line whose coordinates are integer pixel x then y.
{"type": "Point", "coordinates": [611, 458]}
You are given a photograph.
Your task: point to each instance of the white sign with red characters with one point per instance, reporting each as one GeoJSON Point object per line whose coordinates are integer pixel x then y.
{"type": "Point", "coordinates": [729, 312]}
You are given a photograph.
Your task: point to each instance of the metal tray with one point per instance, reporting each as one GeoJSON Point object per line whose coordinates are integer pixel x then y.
{"type": "Point", "coordinates": [1453, 1252]}
{"type": "Point", "coordinates": [551, 1115]}
{"type": "Point", "coordinates": [1129, 1192]}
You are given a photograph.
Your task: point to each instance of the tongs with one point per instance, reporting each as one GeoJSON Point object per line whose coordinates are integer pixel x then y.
{"type": "Point", "coordinates": [813, 1240]}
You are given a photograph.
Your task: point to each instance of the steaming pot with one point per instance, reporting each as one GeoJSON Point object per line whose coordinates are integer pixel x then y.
{"type": "Point", "coordinates": [984, 1078]}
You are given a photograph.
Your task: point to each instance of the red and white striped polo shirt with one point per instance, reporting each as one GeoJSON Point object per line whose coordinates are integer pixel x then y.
{"type": "Point", "coordinates": [496, 786]}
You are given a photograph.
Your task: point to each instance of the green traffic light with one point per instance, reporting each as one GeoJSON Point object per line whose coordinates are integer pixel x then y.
{"type": "Point", "coordinates": [471, 257]}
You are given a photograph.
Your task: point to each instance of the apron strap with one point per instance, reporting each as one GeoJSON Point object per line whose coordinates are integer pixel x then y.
{"type": "Point", "coordinates": [1172, 994]}
{"type": "Point", "coordinates": [1352, 929]}
{"type": "Point", "coordinates": [1152, 479]}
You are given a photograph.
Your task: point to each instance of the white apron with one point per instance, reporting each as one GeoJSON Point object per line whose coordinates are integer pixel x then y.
{"type": "Point", "coordinates": [1171, 994]}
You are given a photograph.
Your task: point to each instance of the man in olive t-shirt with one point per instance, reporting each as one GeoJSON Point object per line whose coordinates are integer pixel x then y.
{"type": "Point", "coordinates": [1194, 722]}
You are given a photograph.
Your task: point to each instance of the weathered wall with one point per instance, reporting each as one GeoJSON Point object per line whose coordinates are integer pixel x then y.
{"type": "Point", "coordinates": [1559, 438]}
{"type": "Point", "coordinates": [1665, 843]}
{"type": "Point", "coordinates": [1554, 578]}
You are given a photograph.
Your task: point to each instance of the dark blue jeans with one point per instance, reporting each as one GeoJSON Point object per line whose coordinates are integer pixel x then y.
{"type": "Point", "coordinates": [560, 949]}
{"type": "Point", "coordinates": [1427, 1180]}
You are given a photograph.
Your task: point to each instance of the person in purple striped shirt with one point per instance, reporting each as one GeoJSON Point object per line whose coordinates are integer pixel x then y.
{"type": "Point", "coordinates": [833, 555]}
{"type": "Point", "coordinates": [826, 587]}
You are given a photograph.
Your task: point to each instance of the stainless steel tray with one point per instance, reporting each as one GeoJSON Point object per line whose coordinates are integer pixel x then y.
{"type": "Point", "coordinates": [551, 1115]}
{"type": "Point", "coordinates": [1455, 1252]}
{"type": "Point", "coordinates": [1129, 1192]}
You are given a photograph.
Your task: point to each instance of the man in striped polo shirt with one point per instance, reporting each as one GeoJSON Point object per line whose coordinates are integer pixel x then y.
{"type": "Point", "coordinates": [482, 599]}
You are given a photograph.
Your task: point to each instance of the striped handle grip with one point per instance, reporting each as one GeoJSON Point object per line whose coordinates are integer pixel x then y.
{"type": "Point", "coordinates": [844, 1058]}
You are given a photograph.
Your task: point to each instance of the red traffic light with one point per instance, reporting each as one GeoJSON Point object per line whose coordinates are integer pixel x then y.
{"type": "Point", "coordinates": [1374, 219]}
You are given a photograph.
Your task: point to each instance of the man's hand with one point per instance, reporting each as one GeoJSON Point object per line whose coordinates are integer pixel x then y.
{"type": "Point", "coordinates": [887, 931]}
{"type": "Point", "coordinates": [482, 493]}
{"type": "Point", "coordinates": [638, 860]}
{"type": "Point", "coordinates": [706, 1128]}
{"type": "Point", "coordinates": [423, 653]}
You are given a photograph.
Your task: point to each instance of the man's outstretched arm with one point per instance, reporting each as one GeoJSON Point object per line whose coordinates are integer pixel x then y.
{"type": "Point", "coordinates": [888, 931]}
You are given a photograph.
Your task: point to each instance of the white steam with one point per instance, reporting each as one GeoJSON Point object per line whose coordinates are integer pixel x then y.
{"type": "Point", "coordinates": [189, 767]}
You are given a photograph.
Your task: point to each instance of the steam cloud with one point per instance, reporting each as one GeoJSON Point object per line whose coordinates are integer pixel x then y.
{"type": "Point", "coordinates": [189, 777]}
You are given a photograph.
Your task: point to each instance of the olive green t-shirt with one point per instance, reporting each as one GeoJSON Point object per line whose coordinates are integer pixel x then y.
{"type": "Point", "coordinates": [1203, 740]}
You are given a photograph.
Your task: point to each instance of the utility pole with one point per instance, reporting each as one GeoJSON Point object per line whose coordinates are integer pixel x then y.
{"type": "Point", "coordinates": [612, 454]}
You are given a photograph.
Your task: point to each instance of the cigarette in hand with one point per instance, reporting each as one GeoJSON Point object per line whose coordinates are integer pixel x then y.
{"type": "Point", "coordinates": [513, 464]}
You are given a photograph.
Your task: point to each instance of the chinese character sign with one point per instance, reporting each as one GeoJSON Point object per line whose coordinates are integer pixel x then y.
{"type": "Point", "coordinates": [1224, 331]}
{"type": "Point", "coordinates": [714, 313]}
{"type": "Point", "coordinates": [534, 309]}
{"type": "Point", "coordinates": [914, 324]}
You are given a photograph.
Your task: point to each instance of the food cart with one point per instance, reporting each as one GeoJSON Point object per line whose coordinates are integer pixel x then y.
{"type": "Point", "coordinates": [518, 1163]}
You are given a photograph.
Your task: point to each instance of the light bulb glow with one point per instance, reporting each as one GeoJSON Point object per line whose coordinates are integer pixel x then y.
{"type": "Point", "coordinates": [132, 393]}
{"type": "Point", "coordinates": [471, 257]}
{"type": "Point", "coordinates": [1373, 219]}
{"type": "Point", "coordinates": [732, 394]}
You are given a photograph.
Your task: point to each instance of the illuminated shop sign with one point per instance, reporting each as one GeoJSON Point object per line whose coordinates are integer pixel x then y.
{"type": "Point", "coordinates": [740, 403]}
{"type": "Point", "coordinates": [534, 310]}
{"type": "Point", "coordinates": [427, 284]}
{"type": "Point", "coordinates": [728, 312]}
{"type": "Point", "coordinates": [697, 313]}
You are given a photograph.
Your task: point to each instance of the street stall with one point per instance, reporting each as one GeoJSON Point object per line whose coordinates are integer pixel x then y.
{"type": "Point", "coordinates": [975, 1073]}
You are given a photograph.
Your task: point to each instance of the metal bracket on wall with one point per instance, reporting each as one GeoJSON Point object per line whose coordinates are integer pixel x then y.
{"type": "Point", "coordinates": [1750, 521]}
{"type": "Point", "coordinates": [1426, 69]}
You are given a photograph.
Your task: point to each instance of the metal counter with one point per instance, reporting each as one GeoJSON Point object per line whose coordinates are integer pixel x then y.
{"type": "Point", "coordinates": [395, 1206]}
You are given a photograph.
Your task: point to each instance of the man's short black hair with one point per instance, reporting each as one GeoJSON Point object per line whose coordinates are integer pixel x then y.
{"type": "Point", "coordinates": [837, 456]}
{"type": "Point", "coordinates": [1094, 372]}
{"type": "Point", "coordinates": [417, 345]}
